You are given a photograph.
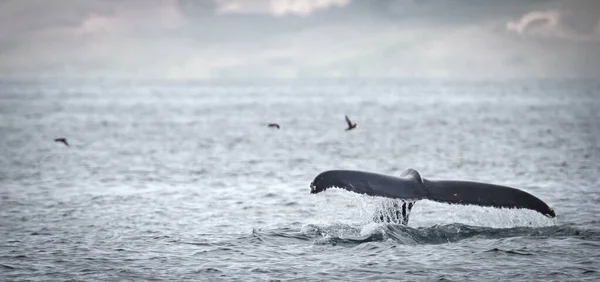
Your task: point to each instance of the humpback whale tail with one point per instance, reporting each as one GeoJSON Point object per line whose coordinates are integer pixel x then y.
{"type": "Point", "coordinates": [411, 187]}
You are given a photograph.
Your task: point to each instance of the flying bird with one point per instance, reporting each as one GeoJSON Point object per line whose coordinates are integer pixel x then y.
{"type": "Point", "coordinates": [274, 125]}
{"type": "Point", "coordinates": [350, 124]}
{"type": "Point", "coordinates": [63, 140]}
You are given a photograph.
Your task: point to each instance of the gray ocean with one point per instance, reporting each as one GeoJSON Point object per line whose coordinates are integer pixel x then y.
{"type": "Point", "coordinates": [184, 181]}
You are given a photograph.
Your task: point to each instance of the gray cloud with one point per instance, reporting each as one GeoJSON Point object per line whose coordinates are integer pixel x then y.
{"type": "Point", "coordinates": [574, 20]}
{"type": "Point", "coordinates": [189, 39]}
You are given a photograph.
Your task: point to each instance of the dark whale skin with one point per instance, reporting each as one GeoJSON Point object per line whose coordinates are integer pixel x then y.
{"type": "Point", "coordinates": [411, 186]}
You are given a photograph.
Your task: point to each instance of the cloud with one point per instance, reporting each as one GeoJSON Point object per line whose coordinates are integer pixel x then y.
{"type": "Point", "coordinates": [276, 7]}
{"type": "Point", "coordinates": [93, 37]}
{"type": "Point", "coordinates": [537, 22]}
{"type": "Point", "coordinates": [268, 38]}
{"type": "Point", "coordinates": [570, 20]}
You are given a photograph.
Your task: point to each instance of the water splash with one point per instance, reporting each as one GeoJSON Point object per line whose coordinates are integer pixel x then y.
{"type": "Point", "coordinates": [340, 206]}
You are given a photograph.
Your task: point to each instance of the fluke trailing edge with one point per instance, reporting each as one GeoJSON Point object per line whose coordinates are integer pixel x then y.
{"type": "Point", "coordinates": [411, 187]}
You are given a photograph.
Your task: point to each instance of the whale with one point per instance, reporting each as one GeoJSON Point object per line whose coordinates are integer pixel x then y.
{"type": "Point", "coordinates": [409, 187]}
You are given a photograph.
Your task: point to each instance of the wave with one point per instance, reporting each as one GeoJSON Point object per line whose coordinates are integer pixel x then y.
{"type": "Point", "coordinates": [352, 235]}
{"type": "Point", "coordinates": [438, 234]}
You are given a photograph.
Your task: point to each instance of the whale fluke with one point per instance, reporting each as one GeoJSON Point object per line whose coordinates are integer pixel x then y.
{"type": "Point", "coordinates": [411, 187]}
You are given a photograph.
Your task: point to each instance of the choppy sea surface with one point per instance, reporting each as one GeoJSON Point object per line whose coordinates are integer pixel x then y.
{"type": "Point", "coordinates": [184, 181]}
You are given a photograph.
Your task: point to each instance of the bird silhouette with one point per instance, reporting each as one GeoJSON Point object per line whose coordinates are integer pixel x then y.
{"type": "Point", "coordinates": [274, 125]}
{"type": "Point", "coordinates": [350, 124]}
{"type": "Point", "coordinates": [62, 140]}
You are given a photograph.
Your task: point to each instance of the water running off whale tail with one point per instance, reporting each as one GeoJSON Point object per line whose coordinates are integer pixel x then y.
{"type": "Point", "coordinates": [411, 187]}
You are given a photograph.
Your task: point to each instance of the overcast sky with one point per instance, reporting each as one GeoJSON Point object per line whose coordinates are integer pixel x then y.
{"type": "Point", "coordinates": [186, 39]}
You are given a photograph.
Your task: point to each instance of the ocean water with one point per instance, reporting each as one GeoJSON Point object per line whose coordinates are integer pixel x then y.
{"type": "Point", "coordinates": [183, 181]}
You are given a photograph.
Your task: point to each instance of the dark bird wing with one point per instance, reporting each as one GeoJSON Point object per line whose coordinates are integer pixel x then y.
{"type": "Point", "coordinates": [410, 186]}
{"type": "Point", "coordinates": [62, 140]}
{"type": "Point", "coordinates": [348, 121]}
